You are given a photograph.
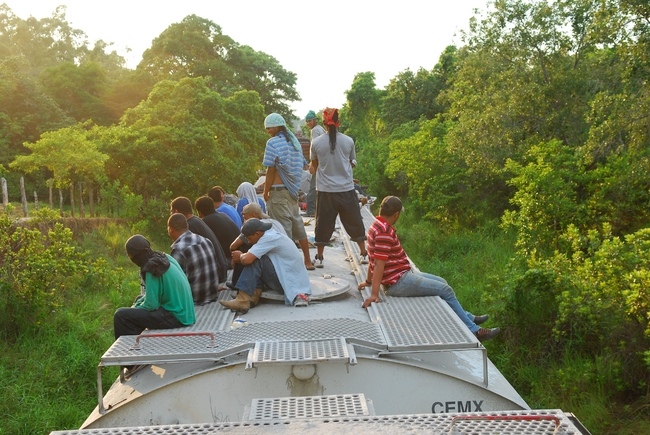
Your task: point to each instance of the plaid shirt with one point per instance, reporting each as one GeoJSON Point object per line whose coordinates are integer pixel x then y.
{"type": "Point", "coordinates": [383, 244]}
{"type": "Point", "coordinates": [195, 255]}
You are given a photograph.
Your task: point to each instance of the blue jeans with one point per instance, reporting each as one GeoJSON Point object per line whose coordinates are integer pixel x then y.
{"type": "Point", "coordinates": [414, 283]}
{"type": "Point", "coordinates": [259, 274]}
{"type": "Point", "coordinates": [132, 321]}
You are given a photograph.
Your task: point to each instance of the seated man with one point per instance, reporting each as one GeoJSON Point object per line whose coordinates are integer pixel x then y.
{"type": "Point", "coordinates": [218, 198]}
{"type": "Point", "coordinates": [195, 255]}
{"type": "Point", "coordinates": [167, 299]}
{"type": "Point", "coordinates": [273, 262]}
{"type": "Point", "coordinates": [196, 225]}
{"type": "Point", "coordinates": [389, 266]}
{"type": "Point", "coordinates": [221, 225]}
{"type": "Point", "coordinates": [254, 211]}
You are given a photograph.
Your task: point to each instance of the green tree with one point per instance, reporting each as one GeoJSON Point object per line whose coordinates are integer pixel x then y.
{"type": "Point", "coordinates": [25, 111]}
{"type": "Point", "coordinates": [185, 138]}
{"type": "Point", "coordinates": [197, 47]}
{"type": "Point", "coordinates": [68, 153]}
{"type": "Point", "coordinates": [79, 90]}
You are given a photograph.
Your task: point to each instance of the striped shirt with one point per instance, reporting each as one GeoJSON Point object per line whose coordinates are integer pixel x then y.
{"type": "Point", "coordinates": [195, 254]}
{"type": "Point", "coordinates": [383, 244]}
{"type": "Point", "coordinates": [287, 161]}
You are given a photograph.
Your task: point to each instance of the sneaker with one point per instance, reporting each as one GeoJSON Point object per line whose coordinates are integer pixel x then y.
{"type": "Point", "coordinates": [484, 334]}
{"type": "Point", "coordinates": [319, 260]}
{"type": "Point", "coordinates": [301, 300]}
{"type": "Point", "coordinates": [363, 258]}
{"type": "Point", "coordinates": [479, 320]}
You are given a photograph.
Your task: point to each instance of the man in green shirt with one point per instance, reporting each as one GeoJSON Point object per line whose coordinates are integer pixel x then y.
{"type": "Point", "coordinates": [166, 298]}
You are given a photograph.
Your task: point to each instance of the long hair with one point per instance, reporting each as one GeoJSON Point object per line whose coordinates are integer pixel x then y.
{"type": "Point", "coordinates": [283, 129]}
{"type": "Point", "coordinates": [331, 131]}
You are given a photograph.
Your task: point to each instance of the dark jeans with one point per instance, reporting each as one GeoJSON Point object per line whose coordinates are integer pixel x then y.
{"type": "Point", "coordinates": [132, 321]}
{"type": "Point", "coordinates": [259, 274]}
{"type": "Point", "coordinates": [311, 196]}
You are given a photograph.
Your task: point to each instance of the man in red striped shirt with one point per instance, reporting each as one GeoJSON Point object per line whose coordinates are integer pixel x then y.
{"type": "Point", "coordinates": [390, 267]}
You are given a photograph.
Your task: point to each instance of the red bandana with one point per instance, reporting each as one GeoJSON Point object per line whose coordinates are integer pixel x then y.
{"type": "Point", "coordinates": [328, 114]}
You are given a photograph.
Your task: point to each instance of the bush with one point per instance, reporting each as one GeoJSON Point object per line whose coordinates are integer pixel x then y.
{"type": "Point", "coordinates": [37, 271]}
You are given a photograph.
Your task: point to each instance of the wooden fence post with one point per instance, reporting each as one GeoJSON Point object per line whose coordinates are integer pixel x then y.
{"type": "Point", "coordinates": [82, 210]}
{"type": "Point", "coordinates": [71, 199]}
{"type": "Point", "coordinates": [5, 196]}
{"type": "Point", "coordinates": [50, 182]}
{"type": "Point", "coordinates": [23, 196]}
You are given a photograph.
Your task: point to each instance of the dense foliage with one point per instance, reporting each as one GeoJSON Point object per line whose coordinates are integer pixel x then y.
{"type": "Point", "coordinates": [541, 123]}
{"type": "Point", "coordinates": [190, 114]}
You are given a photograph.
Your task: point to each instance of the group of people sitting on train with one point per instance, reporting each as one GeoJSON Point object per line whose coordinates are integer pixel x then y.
{"type": "Point", "coordinates": [261, 250]}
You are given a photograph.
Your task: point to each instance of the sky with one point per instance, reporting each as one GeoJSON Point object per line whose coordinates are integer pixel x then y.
{"type": "Point", "coordinates": [325, 43]}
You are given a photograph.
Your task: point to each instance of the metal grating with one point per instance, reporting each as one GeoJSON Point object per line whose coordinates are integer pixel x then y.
{"type": "Point", "coordinates": [296, 352]}
{"type": "Point", "coordinates": [308, 407]}
{"type": "Point", "coordinates": [169, 349]}
{"type": "Point", "coordinates": [393, 424]}
{"type": "Point", "coordinates": [422, 323]}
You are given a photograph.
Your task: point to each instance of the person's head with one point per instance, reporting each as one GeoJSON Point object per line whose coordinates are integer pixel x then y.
{"type": "Point", "coordinates": [390, 208]}
{"type": "Point", "coordinates": [254, 229]}
{"type": "Point", "coordinates": [216, 193]}
{"type": "Point", "coordinates": [274, 124]}
{"type": "Point", "coordinates": [176, 225]}
{"type": "Point", "coordinates": [247, 190]}
{"type": "Point", "coordinates": [311, 120]}
{"type": "Point", "coordinates": [253, 211]}
{"type": "Point", "coordinates": [138, 249]}
{"type": "Point", "coordinates": [331, 123]}
{"type": "Point", "coordinates": [204, 205]}
{"type": "Point", "coordinates": [181, 205]}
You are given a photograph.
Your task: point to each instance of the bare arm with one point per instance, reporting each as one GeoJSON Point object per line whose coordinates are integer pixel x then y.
{"type": "Point", "coordinates": [268, 182]}
{"type": "Point", "coordinates": [376, 283]}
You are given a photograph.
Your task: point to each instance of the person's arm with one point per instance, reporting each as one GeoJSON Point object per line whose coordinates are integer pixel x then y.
{"type": "Point", "coordinates": [376, 282]}
{"type": "Point", "coordinates": [245, 258]}
{"type": "Point", "coordinates": [151, 299]}
{"type": "Point", "coordinates": [268, 182]}
{"type": "Point", "coordinates": [313, 166]}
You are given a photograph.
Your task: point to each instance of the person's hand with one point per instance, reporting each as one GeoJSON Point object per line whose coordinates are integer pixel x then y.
{"type": "Point", "coordinates": [236, 256]}
{"type": "Point", "coordinates": [362, 285]}
{"type": "Point", "coordinates": [370, 300]}
{"type": "Point", "coordinates": [266, 196]}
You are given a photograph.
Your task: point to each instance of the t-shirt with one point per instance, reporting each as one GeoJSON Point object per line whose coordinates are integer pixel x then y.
{"type": "Point", "coordinates": [287, 260]}
{"type": "Point", "coordinates": [334, 168]}
{"type": "Point", "coordinates": [197, 226]}
{"type": "Point", "coordinates": [171, 291]}
{"type": "Point", "coordinates": [287, 160]}
{"type": "Point", "coordinates": [224, 228]}
{"type": "Point", "coordinates": [317, 131]}
{"type": "Point", "coordinates": [383, 244]}
{"type": "Point", "coordinates": [231, 212]}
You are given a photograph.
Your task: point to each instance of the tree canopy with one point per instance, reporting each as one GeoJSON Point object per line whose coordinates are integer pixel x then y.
{"type": "Point", "coordinates": [197, 47]}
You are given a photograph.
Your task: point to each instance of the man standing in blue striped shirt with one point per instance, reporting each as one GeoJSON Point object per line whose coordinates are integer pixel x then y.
{"type": "Point", "coordinates": [285, 162]}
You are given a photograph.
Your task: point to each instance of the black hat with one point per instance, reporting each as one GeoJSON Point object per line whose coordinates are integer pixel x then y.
{"type": "Point", "coordinates": [391, 205]}
{"type": "Point", "coordinates": [254, 225]}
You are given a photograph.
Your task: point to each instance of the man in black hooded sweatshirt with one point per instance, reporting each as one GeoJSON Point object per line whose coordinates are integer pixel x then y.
{"type": "Point", "coordinates": [166, 298]}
